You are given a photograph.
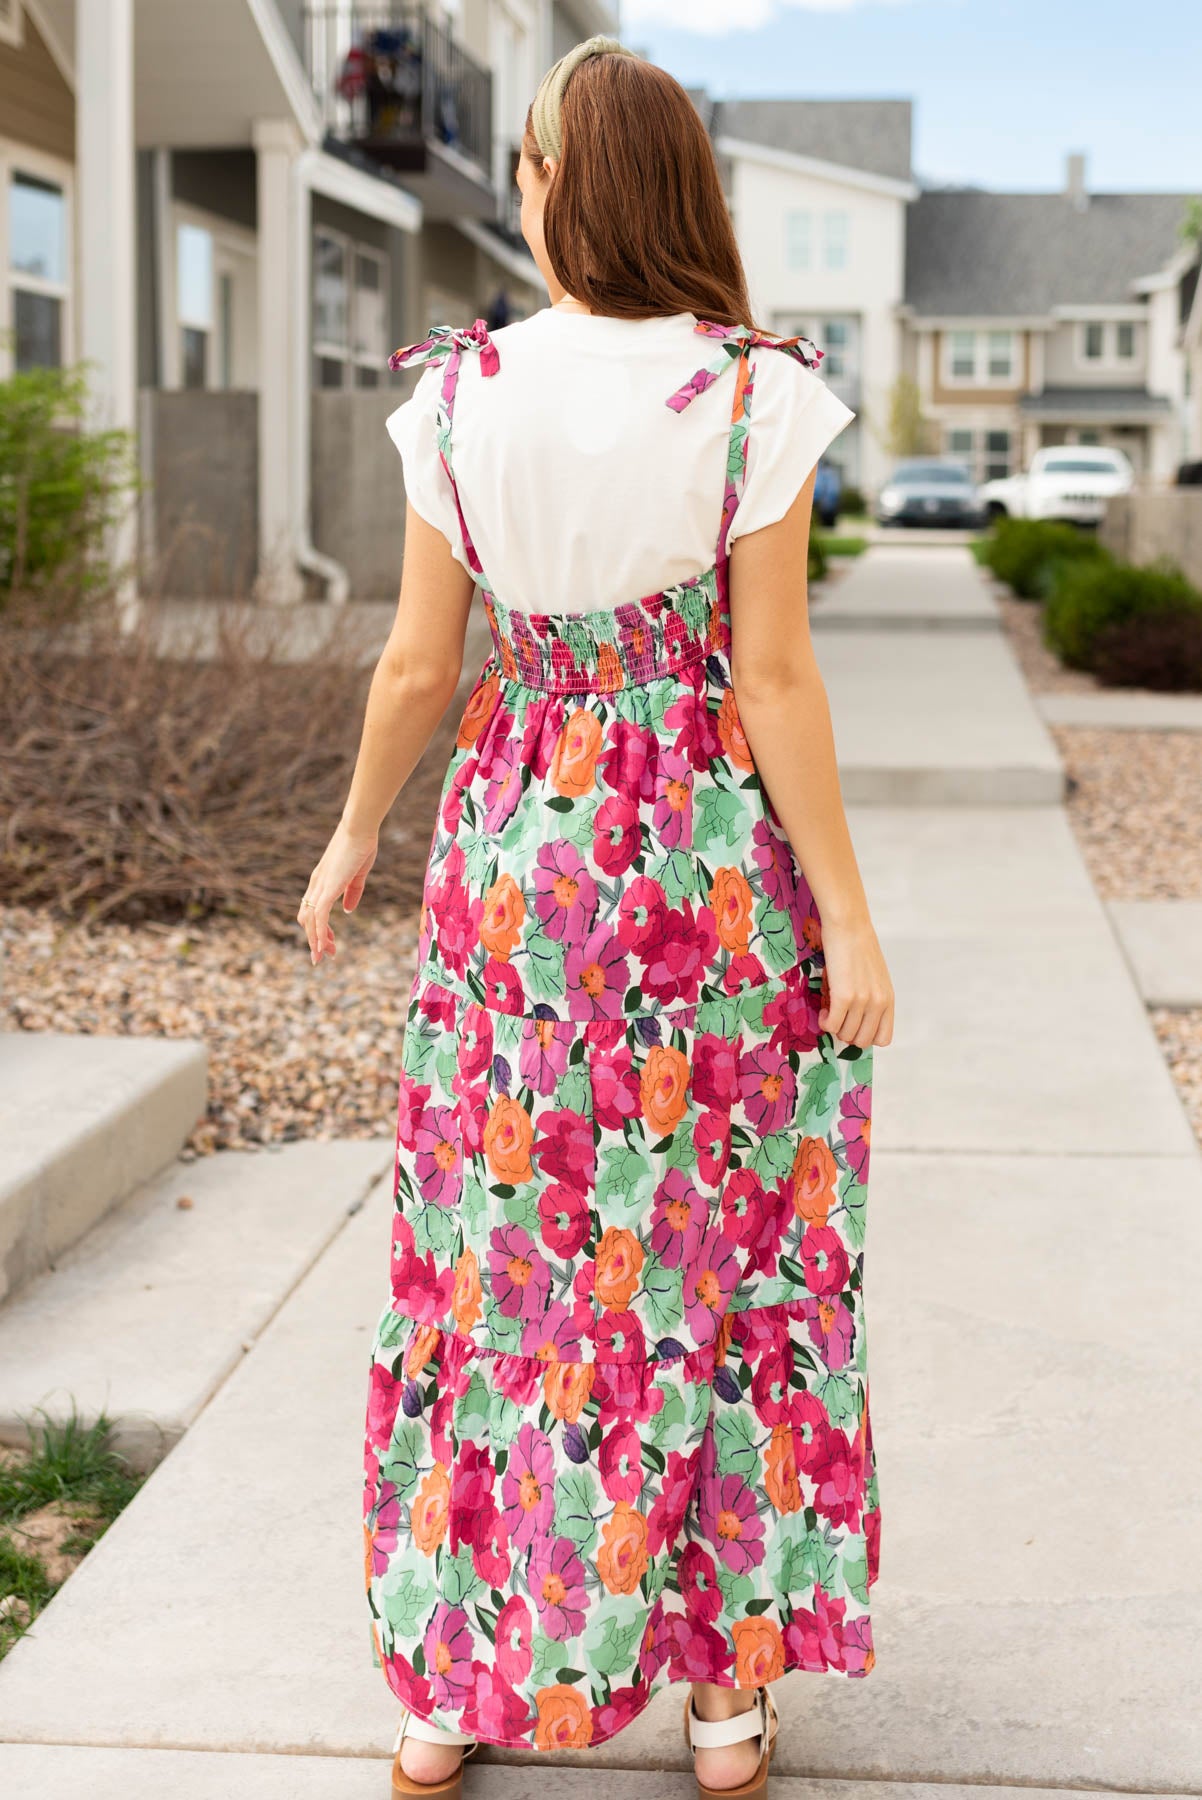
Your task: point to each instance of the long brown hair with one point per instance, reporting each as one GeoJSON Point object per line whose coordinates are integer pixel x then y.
{"type": "Point", "coordinates": [636, 223]}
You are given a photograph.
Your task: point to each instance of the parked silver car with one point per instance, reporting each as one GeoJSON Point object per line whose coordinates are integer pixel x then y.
{"type": "Point", "coordinates": [930, 490]}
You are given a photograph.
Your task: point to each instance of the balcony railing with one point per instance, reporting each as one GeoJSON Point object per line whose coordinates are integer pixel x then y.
{"type": "Point", "coordinates": [392, 81]}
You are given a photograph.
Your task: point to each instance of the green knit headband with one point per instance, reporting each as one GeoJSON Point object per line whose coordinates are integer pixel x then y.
{"type": "Point", "coordinates": [546, 120]}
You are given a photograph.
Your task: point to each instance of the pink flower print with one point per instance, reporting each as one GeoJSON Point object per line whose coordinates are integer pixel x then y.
{"type": "Point", "coordinates": [475, 1044]}
{"type": "Point", "coordinates": [490, 1553]}
{"type": "Point", "coordinates": [544, 1054]}
{"type": "Point", "coordinates": [439, 1159]}
{"type": "Point", "coordinates": [768, 1088]}
{"type": "Point", "coordinates": [474, 1106]}
{"type": "Point", "coordinates": [742, 973]}
{"type": "Point", "coordinates": [505, 785]}
{"type": "Point", "coordinates": [698, 1575]}
{"type": "Point", "coordinates": [715, 1071]}
{"type": "Point", "coordinates": [618, 1337]}
{"type": "Point", "coordinates": [666, 1517]}
{"type": "Point", "coordinates": [514, 1632]}
{"type": "Point", "coordinates": [597, 976]}
{"type": "Point", "coordinates": [417, 1288]}
{"type": "Point", "coordinates": [711, 1140]}
{"type": "Point", "coordinates": [872, 1539]}
{"type": "Point", "coordinates": [565, 892]}
{"type": "Point", "coordinates": [565, 1148]}
{"type": "Point", "coordinates": [743, 1207]}
{"type": "Point", "coordinates": [553, 1338]}
{"type": "Point", "coordinates": [503, 991]}
{"type": "Point", "coordinates": [528, 1490]}
{"type": "Point", "coordinates": [492, 747]}
{"type": "Point", "coordinates": [471, 1496]}
{"type": "Point", "coordinates": [824, 1260]}
{"type": "Point", "coordinates": [858, 1654]}
{"type": "Point", "coordinates": [770, 1393]}
{"type": "Point", "coordinates": [616, 835]}
{"type": "Point", "coordinates": [410, 1100]}
{"type": "Point", "coordinates": [673, 818]}
{"type": "Point", "coordinates": [384, 1531]}
{"type": "Point", "coordinates": [676, 636]}
{"type": "Point", "coordinates": [731, 1523]}
{"type": "Point", "coordinates": [811, 1421]}
{"type": "Point", "coordinates": [563, 1218]}
{"type": "Point", "coordinates": [838, 1479]}
{"type": "Point", "coordinates": [494, 1713]}
{"type": "Point", "coordinates": [615, 1084]}
{"type": "Point", "coordinates": [627, 763]}
{"type": "Point", "coordinates": [695, 726]}
{"type": "Point", "coordinates": [855, 1115]}
{"type": "Point", "coordinates": [814, 1640]}
{"type": "Point", "coordinates": [556, 1576]}
{"type": "Point", "coordinates": [677, 963]}
{"type": "Point", "coordinates": [412, 1689]}
{"type": "Point", "coordinates": [710, 1279]}
{"type": "Point", "coordinates": [452, 806]}
{"type": "Point", "coordinates": [448, 1651]}
{"type": "Point", "coordinates": [831, 1330]}
{"type": "Point", "coordinates": [793, 1018]}
{"type": "Point", "coordinates": [620, 1460]}
{"type": "Point", "coordinates": [384, 1396]}
{"type": "Point", "coordinates": [641, 915]}
{"type": "Point", "coordinates": [678, 1220]}
{"type": "Point", "coordinates": [521, 1280]}
{"type": "Point", "coordinates": [699, 1652]}
{"type": "Point", "coordinates": [626, 1390]}
{"type": "Point", "coordinates": [775, 860]}
{"type": "Point", "coordinates": [623, 1705]}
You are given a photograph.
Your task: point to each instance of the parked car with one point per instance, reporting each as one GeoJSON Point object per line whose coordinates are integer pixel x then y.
{"type": "Point", "coordinates": [828, 490]}
{"type": "Point", "coordinates": [1064, 481]}
{"type": "Point", "coordinates": [929, 490]}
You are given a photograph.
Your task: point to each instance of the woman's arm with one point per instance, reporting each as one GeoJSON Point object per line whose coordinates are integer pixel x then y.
{"type": "Point", "coordinates": [786, 719]}
{"type": "Point", "coordinates": [412, 686]}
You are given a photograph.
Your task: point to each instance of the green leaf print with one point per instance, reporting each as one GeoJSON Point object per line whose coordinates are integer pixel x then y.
{"type": "Point", "coordinates": [736, 1591]}
{"type": "Point", "coordinates": [734, 1437]}
{"type": "Point", "coordinates": [446, 1061]}
{"type": "Point", "coordinates": [522, 1209]}
{"type": "Point", "coordinates": [664, 1427]}
{"type": "Point", "coordinates": [820, 1090]}
{"type": "Point", "coordinates": [473, 1205]}
{"type": "Point", "coordinates": [718, 817]}
{"type": "Point", "coordinates": [855, 1571]}
{"type": "Point", "coordinates": [523, 829]}
{"type": "Point", "coordinates": [752, 1004]}
{"type": "Point", "coordinates": [610, 1641]}
{"type": "Point", "coordinates": [855, 1213]}
{"type": "Point", "coordinates": [481, 862]}
{"type": "Point", "coordinates": [542, 965]}
{"type": "Point", "coordinates": [773, 1156]}
{"type": "Point", "coordinates": [577, 825]}
{"type": "Point", "coordinates": [434, 1228]}
{"type": "Point", "coordinates": [458, 1580]}
{"type": "Point", "coordinates": [401, 1462]}
{"type": "Point", "coordinates": [841, 1398]}
{"type": "Point", "coordinates": [471, 1412]}
{"type": "Point", "coordinates": [417, 1053]}
{"type": "Point", "coordinates": [547, 1655]}
{"type": "Point", "coordinates": [574, 1090]}
{"type": "Point", "coordinates": [624, 1180]}
{"type": "Point", "coordinates": [721, 1017]}
{"type": "Point", "coordinates": [681, 1151]}
{"type": "Point", "coordinates": [777, 942]}
{"type": "Point", "coordinates": [405, 1600]}
{"type": "Point", "coordinates": [676, 875]}
{"type": "Point", "coordinates": [661, 1294]}
{"type": "Point", "coordinates": [575, 1501]}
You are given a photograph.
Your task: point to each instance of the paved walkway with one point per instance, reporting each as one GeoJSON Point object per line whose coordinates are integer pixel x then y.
{"type": "Point", "coordinates": [1034, 1254]}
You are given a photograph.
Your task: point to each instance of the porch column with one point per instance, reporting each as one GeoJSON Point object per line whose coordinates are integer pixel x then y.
{"type": "Point", "coordinates": [104, 170]}
{"type": "Point", "coordinates": [277, 144]}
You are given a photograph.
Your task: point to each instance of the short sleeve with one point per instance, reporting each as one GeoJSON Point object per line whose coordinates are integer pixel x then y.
{"type": "Point", "coordinates": [413, 429]}
{"type": "Point", "coordinates": [794, 417]}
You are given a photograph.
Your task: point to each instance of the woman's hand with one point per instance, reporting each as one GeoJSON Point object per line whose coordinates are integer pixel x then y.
{"type": "Point", "coordinates": [343, 870]}
{"type": "Point", "coordinates": [857, 993]}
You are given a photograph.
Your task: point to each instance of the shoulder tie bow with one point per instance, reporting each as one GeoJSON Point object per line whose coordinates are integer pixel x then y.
{"type": "Point", "coordinates": [450, 340]}
{"type": "Point", "coordinates": [737, 343]}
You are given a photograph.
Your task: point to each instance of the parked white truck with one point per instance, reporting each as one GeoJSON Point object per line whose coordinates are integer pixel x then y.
{"type": "Point", "coordinates": [1065, 481]}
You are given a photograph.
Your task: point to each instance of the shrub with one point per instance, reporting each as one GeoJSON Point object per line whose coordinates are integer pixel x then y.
{"type": "Point", "coordinates": [817, 559]}
{"type": "Point", "coordinates": [852, 502]}
{"type": "Point", "coordinates": [62, 486]}
{"type": "Point", "coordinates": [1153, 650]}
{"type": "Point", "coordinates": [1028, 553]}
{"type": "Point", "coordinates": [1103, 607]}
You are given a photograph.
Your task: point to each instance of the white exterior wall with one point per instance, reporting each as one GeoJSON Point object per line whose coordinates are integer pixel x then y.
{"type": "Point", "coordinates": [869, 287]}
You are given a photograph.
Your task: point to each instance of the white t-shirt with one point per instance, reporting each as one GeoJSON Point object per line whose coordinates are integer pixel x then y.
{"type": "Point", "coordinates": [581, 487]}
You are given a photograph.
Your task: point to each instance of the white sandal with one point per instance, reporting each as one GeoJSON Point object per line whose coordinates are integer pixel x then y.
{"type": "Point", "coordinates": [412, 1726]}
{"type": "Point", "coordinates": [761, 1720]}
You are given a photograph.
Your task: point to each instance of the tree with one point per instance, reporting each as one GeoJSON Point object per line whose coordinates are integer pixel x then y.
{"type": "Point", "coordinates": [910, 432]}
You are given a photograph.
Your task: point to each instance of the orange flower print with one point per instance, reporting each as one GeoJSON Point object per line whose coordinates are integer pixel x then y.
{"type": "Point", "coordinates": [609, 670]}
{"type": "Point", "coordinates": [573, 765]}
{"type": "Point", "coordinates": [477, 712]}
{"type": "Point", "coordinates": [619, 1261]}
{"type": "Point", "coordinates": [421, 1349]}
{"type": "Point", "coordinates": [759, 1651]}
{"type": "Point", "coordinates": [780, 1470]}
{"type": "Point", "coordinates": [467, 1293]}
{"type": "Point", "coordinates": [507, 1140]}
{"type": "Point", "coordinates": [566, 1388]}
{"type": "Point", "coordinates": [730, 730]}
{"type": "Point", "coordinates": [565, 1719]}
{"type": "Point", "coordinates": [430, 1510]}
{"type": "Point", "coordinates": [663, 1088]}
{"type": "Point", "coordinates": [504, 911]}
{"type": "Point", "coordinates": [815, 1173]}
{"type": "Point", "coordinates": [622, 1557]}
{"type": "Point", "coordinates": [732, 901]}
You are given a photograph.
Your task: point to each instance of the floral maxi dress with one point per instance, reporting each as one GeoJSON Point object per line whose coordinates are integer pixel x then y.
{"type": "Point", "coordinates": [618, 1428]}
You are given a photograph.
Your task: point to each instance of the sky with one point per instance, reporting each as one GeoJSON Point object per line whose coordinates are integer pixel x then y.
{"type": "Point", "coordinates": [1002, 89]}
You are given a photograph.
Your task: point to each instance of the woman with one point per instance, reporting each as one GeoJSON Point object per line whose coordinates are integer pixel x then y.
{"type": "Point", "coordinates": [618, 1427]}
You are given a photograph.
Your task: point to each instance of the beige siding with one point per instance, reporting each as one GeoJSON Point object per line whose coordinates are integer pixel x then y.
{"type": "Point", "coordinates": [36, 105]}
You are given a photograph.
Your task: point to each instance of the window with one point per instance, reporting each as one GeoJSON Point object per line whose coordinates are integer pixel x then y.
{"type": "Point", "coordinates": [37, 270]}
{"type": "Point", "coordinates": [834, 241]}
{"type": "Point", "coordinates": [797, 240]}
{"type": "Point", "coordinates": [980, 358]}
{"type": "Point", "coordinates": [833, 338]}
{"type": "Point", "coordinates": [1125, 340]}
{"type": "Point", "coordinates": [964, 355]}
{"type": "Point", "coordinates": [997, 455]}
{"type": "Point", "coordinates": [350, 313]}
{"type": "Point", "coordinates": [194, 302]}
{"type": "Point", "coordinates": [1001, 355]}
{"type": "Point", "coordinates": [1095, 342]}
{"type": "Point", "coordinates": [961, 442]}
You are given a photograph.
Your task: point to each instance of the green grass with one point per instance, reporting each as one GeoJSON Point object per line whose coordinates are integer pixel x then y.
{"type": "Point", "coordinates": [67, 1461]}
{"type": "Point", "coordinates": [840, 544]}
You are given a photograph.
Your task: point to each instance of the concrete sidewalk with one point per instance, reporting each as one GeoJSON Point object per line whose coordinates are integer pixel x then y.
{"type": "Point", "coordinates": [1033, 1256]}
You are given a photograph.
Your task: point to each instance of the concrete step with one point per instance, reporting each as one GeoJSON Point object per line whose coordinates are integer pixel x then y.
{"type": "Point", "coordinates": [45, 1772]}
{"type": "Point", "coordinates": [146, 1315]}
{"type": "Point", "coordinates": [1123, 709]}
{"type": "Point", "coordinates": [909, 588]}
{"type": "Point", "coordinates": [84, 1120]}
{"type": "Point", "coordinates": [1163, 943]}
